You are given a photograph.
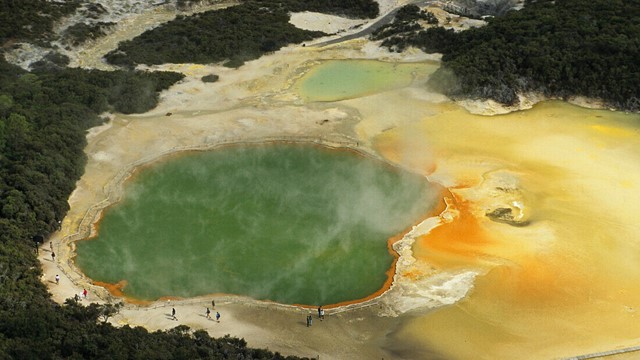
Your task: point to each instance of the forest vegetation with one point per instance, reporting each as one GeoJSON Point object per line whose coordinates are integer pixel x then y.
{"type": "Point", "coordinates": [31, 19]}
{"type": "Point", "coordinates": [232, 35]}
{"type": "Point", "coordinates": [406, 21]}
{"type": "Point", "coordinates": [560, 49]}
{"type": "Point", "coordinates": [358, 9]}
{"type": "Point", "coordinates": [81, 32]}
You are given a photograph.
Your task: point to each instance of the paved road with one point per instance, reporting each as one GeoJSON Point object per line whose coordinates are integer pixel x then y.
{"type": "Point", "coordinates": [375, 26]}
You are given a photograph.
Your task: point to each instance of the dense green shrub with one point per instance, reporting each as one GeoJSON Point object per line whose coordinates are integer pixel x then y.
{"type": "Point", "coordinates": [210, 78]}
{"type": "Point", "coordinates": [235, 34]}
{"type": "Point", "coordinates": [232, 35]}
{"type": "Point", "coordinates": [81, 32]}
{"type": "Point", "coordinates": [31, 19]}
{"type": "Point", "coordinates": [558, 48]}
{"type": "Point", "coordinates": [405, 24]}
{"type": "Point", "coordinates": [359, 9]}
{"type": "Point", "coordinates": [43, 119]}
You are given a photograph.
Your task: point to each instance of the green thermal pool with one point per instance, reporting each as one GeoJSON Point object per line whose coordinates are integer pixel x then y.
{"type": "Point", "coordinates": [290, 223]}
{"type": "Point", "coordinates": [335, 80]}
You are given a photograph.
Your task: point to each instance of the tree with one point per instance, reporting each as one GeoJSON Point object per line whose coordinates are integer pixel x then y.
{"type": "Point", "coordinates": [108, 310]}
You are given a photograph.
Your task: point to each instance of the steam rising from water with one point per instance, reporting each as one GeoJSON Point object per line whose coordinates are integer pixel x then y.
{"type": "Point", "coordinates": [287, 223]}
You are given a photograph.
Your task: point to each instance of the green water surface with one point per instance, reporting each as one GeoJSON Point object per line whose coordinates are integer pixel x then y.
{"type": "Point", "coordinates": [335, 80]}
{"type": "Point", "coordinates": [289, 223]}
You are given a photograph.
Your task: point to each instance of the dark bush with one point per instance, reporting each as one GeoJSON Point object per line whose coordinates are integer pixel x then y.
{"type": "Point", "coordinates": [558, 48]}
{"type": "Point", "coordinates": [210, 78]}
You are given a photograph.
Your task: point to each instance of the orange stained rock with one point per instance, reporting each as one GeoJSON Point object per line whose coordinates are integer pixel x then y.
{"type": "Point", "coordinates": [438, 209]}
{"type": "Point", "coordinates": [518, 273]}
{"type": "Point", "coordinates": [116, 290]}
{"type": "Point", "coordinates": [389, 273]}
{"type": "Point", "coordinates": [460, 241]}
{"type": "Point", "coordinates": [413, 274]}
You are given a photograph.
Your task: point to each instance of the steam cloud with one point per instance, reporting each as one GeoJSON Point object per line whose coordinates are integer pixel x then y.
{"type": "Point", "coordinates": [294, 224]}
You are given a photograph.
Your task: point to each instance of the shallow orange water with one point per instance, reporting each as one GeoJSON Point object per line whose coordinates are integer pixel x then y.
{"type": "Point", "coordinates": [567, 283]}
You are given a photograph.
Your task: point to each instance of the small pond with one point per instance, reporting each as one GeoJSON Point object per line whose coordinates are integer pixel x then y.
{"type": "Point", "coordinates": [335, 80]}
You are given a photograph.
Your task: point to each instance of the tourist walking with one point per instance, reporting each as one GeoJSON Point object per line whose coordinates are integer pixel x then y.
{"type": "Point", "coordinates": [321, 315]}
{"type": "Point", "coordinates": [213, 304]}
{"type": "Point", "coordinates": [309, 320]}
{"type": "Point", "coordinates": [51, 245]}
{"type": "Point", "coordinates": [53, 256]}
{"type": "Point", "coordinates": [84, 293]}
{"type": "Point", "coordinates": [208, 313]}
{"type": "Point", "coordinates": [173, 314]}
{"type": "Point", "coordinates": [57, 279]}
{"type": "Point", "coordinates": [217, 316]}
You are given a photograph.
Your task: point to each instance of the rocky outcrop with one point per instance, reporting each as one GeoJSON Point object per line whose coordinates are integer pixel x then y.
{"type": "Point", "coordinates": [506, 215]}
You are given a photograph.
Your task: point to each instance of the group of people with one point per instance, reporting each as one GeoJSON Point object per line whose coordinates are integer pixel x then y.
{"type": "Point", "coordinates": [320, 316]}
{"type": "Point", "coordinates": [84, 291]}
{"type": "Point", "coordinates": [207, 312]}
{"type": "Point", "coordinates": [77, 297]}
{"type": "Point", "coordinates": [173, 310]}
{"type": "Point", "coordinates": [37, 245]}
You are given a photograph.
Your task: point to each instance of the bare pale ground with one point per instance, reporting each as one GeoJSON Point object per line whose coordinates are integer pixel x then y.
{"type": "Point", "coordinates": [465, 286]}
{"type": "Point", "coordinates": [332, 24]}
